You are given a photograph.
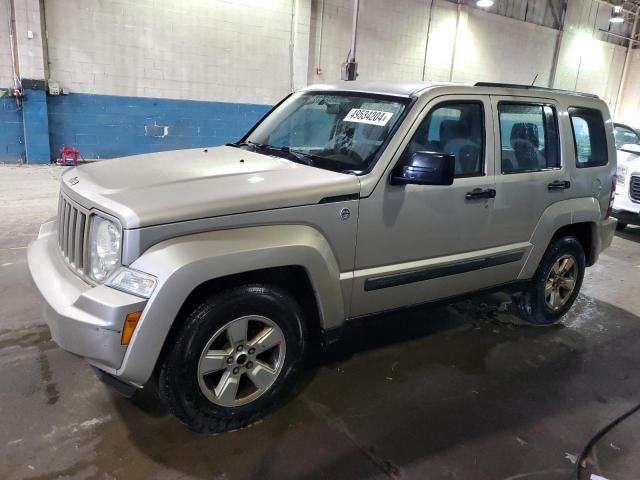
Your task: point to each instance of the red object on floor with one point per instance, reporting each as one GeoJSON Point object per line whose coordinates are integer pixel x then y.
{"type": "Point", "coordinates": [68, 156]}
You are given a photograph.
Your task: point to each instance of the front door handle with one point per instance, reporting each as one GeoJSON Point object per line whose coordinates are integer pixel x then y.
{"type": "Point", "coordinates": [559, 185]}
{"type": "Point", "coordinates": [477, 193]}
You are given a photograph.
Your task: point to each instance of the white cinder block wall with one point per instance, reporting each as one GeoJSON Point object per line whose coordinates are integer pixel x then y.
{"type": "Point", "coordinates": [233, 50]}
{"type": "Point", "coordinates": [629, 109]}
{"type": "Point", "coordinates": [30, 53]}
{"type": "Point", "coordinates": [241, 50]}
{"type": "Point", "coordinates": [251, 53]}
{"type": "Point", "coordinates": [391, 39]}
{"type": "Point", "coordinates": [393, 35]}
{"type": "Point", "coordinates": [6, 77]}
{"type": "Point", "coordinates": [497, 49]}
{"type": "Point", "coordinates": [587, 63]}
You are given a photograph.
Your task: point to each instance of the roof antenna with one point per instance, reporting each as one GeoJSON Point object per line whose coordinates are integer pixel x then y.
{"type": "Point", "coordinates": [534, 80]}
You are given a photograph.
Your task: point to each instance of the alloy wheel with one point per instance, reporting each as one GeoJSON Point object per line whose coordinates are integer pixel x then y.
{"type": "Point", "coordinates": [561, 282]}
{"type": "Point", "coordinates": [241, 361]}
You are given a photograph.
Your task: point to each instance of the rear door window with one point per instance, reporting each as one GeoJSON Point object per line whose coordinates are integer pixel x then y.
{"type": "Point", "coordinates": [528, 137]}
{"type": "Point", "coordinates": [589, 137]}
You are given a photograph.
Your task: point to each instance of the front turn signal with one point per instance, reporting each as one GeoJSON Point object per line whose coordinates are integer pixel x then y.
{"type": "Point", "coordinates": [129, 327]}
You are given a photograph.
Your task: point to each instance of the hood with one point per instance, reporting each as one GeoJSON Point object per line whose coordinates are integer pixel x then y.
{"type": "Point", "coordinates": [151, 189]}
{"type": "Point", "coordinates": [628, 159]}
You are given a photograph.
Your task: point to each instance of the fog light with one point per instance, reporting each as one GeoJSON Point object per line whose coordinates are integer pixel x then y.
{"type": "Point", "coordinates": [129, 327]}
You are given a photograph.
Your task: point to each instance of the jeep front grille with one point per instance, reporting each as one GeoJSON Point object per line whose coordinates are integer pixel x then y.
{"type": "Point", "coordinates": [634, 189]}
{"type": "Point", "coordinates": [72, 228]}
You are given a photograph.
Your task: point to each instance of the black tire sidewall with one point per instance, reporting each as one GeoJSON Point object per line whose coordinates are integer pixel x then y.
{"type": "Point", "coordinates": [178, 377]}
{"type": "Point", "coordinates": [538, 312]}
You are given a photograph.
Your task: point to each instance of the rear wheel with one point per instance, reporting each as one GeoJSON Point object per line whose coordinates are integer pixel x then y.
{"type": "Point", "coordinates": [555, 284]}
{"type": "Point", "coordinates": [233, 358]}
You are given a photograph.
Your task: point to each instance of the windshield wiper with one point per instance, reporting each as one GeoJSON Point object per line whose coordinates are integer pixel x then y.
{"type": "Point", "coordinates": [294, 155]}
{"type": "Point", "coordinates": [307, 158]}
{"type": "Point", "coordinates": [242, 144]}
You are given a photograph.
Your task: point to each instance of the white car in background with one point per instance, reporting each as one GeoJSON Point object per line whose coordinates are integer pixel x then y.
{"type": "Point", "coordinates": [626, 204]}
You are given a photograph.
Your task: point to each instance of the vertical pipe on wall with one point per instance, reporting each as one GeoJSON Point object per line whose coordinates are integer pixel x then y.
{"type": "Point", "coordinates": [349, 69]}
{"type": "Point", "coordinates": [319, 58]}
{"type": "Point", "coordinates": [292, 44]}
{"type": "Point", "coordinates": [354, 34]}
{"type": "Point", "coordinates": [45, 39]}
{"type": "Point", "coordinates": [15, 68]}
{"type": "Point", "coordinates": [426, 43]}
{"type": "Point", "coordinates": [455, 43]}
{"type": "Point", "coordinates": [625, 67]}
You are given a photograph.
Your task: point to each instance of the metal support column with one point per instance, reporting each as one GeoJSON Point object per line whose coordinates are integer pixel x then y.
{"type": "Point", "coordinates": [625, 68]}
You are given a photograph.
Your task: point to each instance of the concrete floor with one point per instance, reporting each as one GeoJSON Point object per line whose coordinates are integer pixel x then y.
{"type": "Point", "coordinates": [451, 392]}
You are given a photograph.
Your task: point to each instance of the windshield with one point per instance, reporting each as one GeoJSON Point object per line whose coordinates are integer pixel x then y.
{"type": "Point", "coordinates": [337, 131]}
{"type": "Point", "coordinates": [624, 136]}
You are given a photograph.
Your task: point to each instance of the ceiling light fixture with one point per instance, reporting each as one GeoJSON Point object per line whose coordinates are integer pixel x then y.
{"type": "Point", "coordinates": [617, 16]}
{"type": "Point", "coordinates": [484, 3]}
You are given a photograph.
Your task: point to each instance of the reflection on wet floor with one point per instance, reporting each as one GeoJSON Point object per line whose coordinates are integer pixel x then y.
{"type": "Point", "coordinates": [400, 394]}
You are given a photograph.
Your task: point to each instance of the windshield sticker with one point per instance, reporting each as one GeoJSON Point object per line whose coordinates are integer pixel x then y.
{"type": "Point", "coordinates": [371, 117]}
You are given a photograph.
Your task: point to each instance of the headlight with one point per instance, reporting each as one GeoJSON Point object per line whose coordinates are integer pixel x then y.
{"type": "Point", "coordinates": [104, 248]}
{"type": "Point", "coordinates": [621, 175]}
{"type": "Point", "coordinates": [132, 281]}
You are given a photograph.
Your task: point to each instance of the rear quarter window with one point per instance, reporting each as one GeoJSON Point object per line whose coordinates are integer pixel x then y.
{"type": "Point", "coordinates": [589, 137]}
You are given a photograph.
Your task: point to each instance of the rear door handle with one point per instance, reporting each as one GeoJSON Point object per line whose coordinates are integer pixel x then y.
{"type": "Point", "coordinates": [478, 193]}
{"type": "Point", "coordinates": [559, 185]}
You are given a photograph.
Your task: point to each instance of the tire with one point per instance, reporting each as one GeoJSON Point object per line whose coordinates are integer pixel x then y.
{"type": "Point", "coordinates": [621, 226]}
{"type": "Point", "coordinates": [205, 402]}
{"type": "Point", "coordinates": [533, 304]}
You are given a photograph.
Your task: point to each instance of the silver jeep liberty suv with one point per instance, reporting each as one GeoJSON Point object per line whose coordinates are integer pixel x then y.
{"type": "Point", "coordinates": [213, 271]}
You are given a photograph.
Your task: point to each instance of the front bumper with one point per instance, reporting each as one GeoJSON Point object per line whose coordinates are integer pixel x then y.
{"type": "Point", "coordinates": [625, 216]}
{"type": "Point", "coordinates": [624, 208]}
{"type": "Point", "coordinates": [84, 319]}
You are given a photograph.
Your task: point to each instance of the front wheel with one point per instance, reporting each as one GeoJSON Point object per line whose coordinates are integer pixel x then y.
{"type": "Point", "coordinates": [555, 285]}
{"type": "Point", "coordinates": [232, 358]}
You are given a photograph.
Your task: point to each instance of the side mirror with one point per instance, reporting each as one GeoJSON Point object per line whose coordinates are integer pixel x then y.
{"type": "Point", "coordinates": [425, 168]}
{"type": "Point", "coordinates": [630, 148]}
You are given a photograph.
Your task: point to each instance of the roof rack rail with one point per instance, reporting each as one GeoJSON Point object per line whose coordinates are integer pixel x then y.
{"type": "Point", "coordinates": [533, 87]}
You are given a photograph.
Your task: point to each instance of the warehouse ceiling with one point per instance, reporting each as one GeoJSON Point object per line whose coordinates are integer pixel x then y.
{"type": "Point", "coordinates": [549, 13]}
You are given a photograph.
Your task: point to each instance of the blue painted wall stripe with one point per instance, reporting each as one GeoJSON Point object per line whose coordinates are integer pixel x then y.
{"type": "Point", "coordinates": [106, 126]}
{"type": "Point", "coordinates": [36, 126]}
{"type": "Point", "coordinates": [11, 131]}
